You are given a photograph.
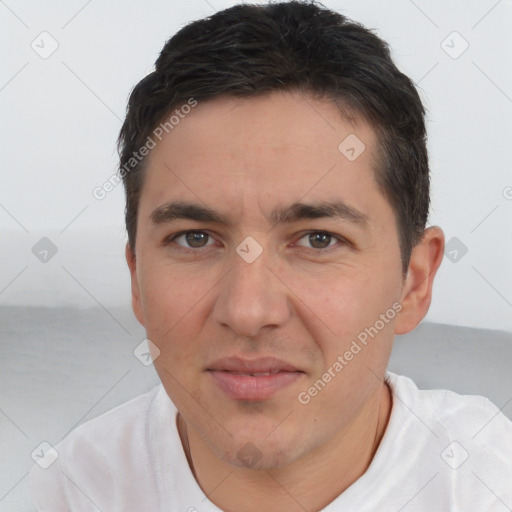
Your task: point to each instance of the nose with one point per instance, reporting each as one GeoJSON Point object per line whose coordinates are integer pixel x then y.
{"type": "Point", "coordinates": [252, 297]}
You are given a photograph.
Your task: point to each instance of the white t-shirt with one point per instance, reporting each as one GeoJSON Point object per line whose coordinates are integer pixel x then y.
{"type": "Point", "coordinates": [441, 452]}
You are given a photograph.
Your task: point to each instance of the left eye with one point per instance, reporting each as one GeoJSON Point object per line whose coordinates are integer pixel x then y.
{"type": "Point", "coordinates": [319, 240]}
{"type": "Point", "coordinates": [194, 239]}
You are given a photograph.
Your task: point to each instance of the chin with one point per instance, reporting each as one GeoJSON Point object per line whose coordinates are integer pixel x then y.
{"type": "Point", "coordinates": [258, 452]}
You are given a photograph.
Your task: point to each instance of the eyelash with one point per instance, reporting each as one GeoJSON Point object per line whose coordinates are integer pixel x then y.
{"type": "Point", "coordinates": [341, 241]}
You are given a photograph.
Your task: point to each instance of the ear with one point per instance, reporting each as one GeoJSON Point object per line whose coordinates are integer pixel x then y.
{"type": "Point", "coordinates": [136, 301]}
{"type": "Point", "coordinates": [426, 258]}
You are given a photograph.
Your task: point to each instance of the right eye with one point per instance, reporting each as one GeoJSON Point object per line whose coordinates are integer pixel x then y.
{"type": "Point", "coordinates": [192, 239]}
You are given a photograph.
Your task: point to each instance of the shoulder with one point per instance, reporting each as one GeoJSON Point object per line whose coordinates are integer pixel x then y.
{"type": "Point", "coordinates": [113, 429]}
{"type": "Point", "coordinates": [466, 439]}
{"type": "Point", "coordinates": [92, 460]}
{"type": "Point", "coordinates": [458, 414]}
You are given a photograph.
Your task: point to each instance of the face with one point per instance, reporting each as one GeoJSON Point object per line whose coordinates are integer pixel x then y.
{"type": "Point", "coordinates": [264, 255]}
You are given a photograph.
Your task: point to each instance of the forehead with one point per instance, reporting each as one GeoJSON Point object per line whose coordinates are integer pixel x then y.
{"type": "Point", "coordinates": [243, 154]}
{"type": "Point", "coordinates": [272, 121]}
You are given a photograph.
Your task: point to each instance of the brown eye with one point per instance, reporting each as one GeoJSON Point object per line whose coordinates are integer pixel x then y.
{"type": "Point", "coordinates": [196, 239]}
{"type": "Point", "coordinates": [318, 240]}
{"type": "Point", "coordinates": [193, 239]}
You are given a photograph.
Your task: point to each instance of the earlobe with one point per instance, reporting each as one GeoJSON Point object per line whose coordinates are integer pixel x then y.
{"type": "Point", "coordinates": [131, 260]}
{"type": "Point", "coordinates": [425, 260]}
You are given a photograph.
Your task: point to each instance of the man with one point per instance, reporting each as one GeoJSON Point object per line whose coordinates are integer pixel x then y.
{"type": "Point", "coordinates": [277, 187]}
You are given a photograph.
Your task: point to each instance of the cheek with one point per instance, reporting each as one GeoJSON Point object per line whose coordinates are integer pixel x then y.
{"type": "Point", "coordinates": [169, 290]}
{"type": "Point", "coordinates": [346, 304]}
{"type": "Point", "coordinates": [354, 341]}
{"type": "Point", "coordinates": [173, 304]}
{"type": "Point", "coordinates": [174, 307]}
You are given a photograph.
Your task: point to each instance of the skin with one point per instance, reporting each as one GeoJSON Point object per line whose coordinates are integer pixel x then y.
{"type": "Point", "coordinates": [297, 301]}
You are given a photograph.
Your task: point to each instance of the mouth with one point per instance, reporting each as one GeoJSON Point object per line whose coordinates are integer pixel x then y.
{"type": "Point", "coordinates": [254, 374]}
{"type": "Point", "coordinates": [253, 380]}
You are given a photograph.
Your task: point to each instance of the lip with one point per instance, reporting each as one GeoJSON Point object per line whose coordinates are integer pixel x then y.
{"type": "Point", "coordinates": [253, 380]}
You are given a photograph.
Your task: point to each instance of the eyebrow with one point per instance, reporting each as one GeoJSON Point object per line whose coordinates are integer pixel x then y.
{"type": "Point", "coordinates": [284, 215]}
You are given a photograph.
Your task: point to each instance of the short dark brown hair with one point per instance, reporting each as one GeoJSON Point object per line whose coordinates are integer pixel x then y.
{"type": "Point", "coordinates": [249, 50]}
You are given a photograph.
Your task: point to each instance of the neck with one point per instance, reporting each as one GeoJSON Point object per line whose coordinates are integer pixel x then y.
{"type": "Point", "coordinates": [307, 484]}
